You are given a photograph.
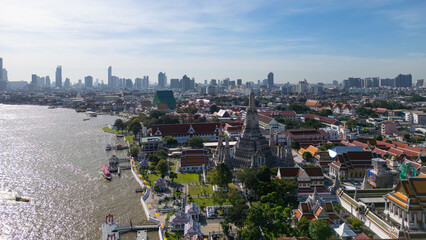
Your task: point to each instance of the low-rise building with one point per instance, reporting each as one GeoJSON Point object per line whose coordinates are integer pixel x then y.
{"type": "Point", "coordinates": [352, 164]}
{"type": "Point", "coordinates": [184, 131]}
{"type": "Point", "coordinates": [151, 144]}
{"type": "Point", "coordinates": [194, 160]}
{"type": "Point", "coordinates": [317, 209]}
{"type": "Point", "coordinates": [388, 128]}
{"type": "Point", "coordinates": [309, 180]}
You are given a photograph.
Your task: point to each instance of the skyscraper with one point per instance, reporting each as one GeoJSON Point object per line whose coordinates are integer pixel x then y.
{"type": "Point", "coordinates": [186, 83]}
{"type": "Point", "coordinates": [47, 81]}
{"type": "Point", "coordinates": [110, 85]}
{"type": "Point", "coordinates": [162, 79]}
{"type": "Point", "coordinates": [59, 77]}
{"type": "Point", "coordinates": [239, 82]}
{"type": "Point", "coordinates": [88, 81]}
{"type": "Point", "coordinates": [1, 68]}
{"type": "Point", "coordinates": [271, 80]}
{"type": "Point", "coordinates": [67, 83]}
{"type": "Point", "coordinates": [404, 80]}
{"type": "Point", "coordinates": [3, 77]}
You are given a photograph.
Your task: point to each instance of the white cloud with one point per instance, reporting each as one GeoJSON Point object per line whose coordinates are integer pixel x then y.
{"type": "Point", "coordinates": [206, 39]}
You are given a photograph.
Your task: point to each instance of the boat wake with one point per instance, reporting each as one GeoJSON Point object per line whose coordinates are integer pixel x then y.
{"type": "Point", "coordinates": [8, 194]}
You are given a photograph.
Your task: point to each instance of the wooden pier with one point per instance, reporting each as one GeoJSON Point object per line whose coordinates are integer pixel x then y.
{"type": "Point", "coordinates": [111, 230]}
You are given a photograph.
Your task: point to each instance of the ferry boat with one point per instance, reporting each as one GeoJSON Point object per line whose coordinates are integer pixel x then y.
{"type": "Point", "coordinates": [21, 199]}
{"type": "Point", "coordinates": [91, 114]}
{"type": "Point", "coordinates": [106, 172]}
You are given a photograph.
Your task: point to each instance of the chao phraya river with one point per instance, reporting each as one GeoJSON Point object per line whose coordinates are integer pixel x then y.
{"type": "Point", "coordinates": [54, 157]}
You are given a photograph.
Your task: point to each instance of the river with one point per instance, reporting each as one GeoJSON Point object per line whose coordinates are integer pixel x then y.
{"type": "Point", "coordinates": [54, 157]}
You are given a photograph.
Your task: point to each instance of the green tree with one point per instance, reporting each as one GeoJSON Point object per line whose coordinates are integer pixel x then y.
{"type": "Point", "coordinates": [156, 114]}
{"type": "Point", "coordinates": [134, 151]}
{"type": "Point", "coordinates": [195, 142]}
{"type": "Point", "coordinates": [356, 223]}
{"type": "Point", "coordinates": [134, 125]}
{"type": "Point", "coordinates": [170, 141]}
{"type": "Point", "coordinates": [206, 139]}
{"type": "Point", "coordinates": [378, 138]}
{"type": "Point", "coordinates": [214, 108]}
{"type": "Point", "coordinates": [307, 156]}
{"type": "Point", "coordinates": [172, 176]}
{"type": "Point", "coordinates": [326, 146]}
{"type": "Point", "coordinates": [119, 124]}
{"type": "Point", "coordinates": [219, 197]}
{"type": "Point", "coordinates": [325, 112]}
{"type": "Point", "coordinates": [303, 226]}
{"type": "Point", "coordinates": [161, 153]}
{"type": "Point", "coordinates": [162, 167]}
{"type": "Point", "coordinates": [221, 175]}
{"type": "Point", "coordinates": [319, 230]}
{"type": "Point", "coordinates": [295, 145]}
{"type": "Point", "coordinates": [154, 159]}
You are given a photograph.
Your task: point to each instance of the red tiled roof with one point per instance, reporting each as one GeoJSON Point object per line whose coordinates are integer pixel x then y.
{"type": "Point", "coordinates": [362, 236]}
{"type": "Point", "coordinates": [289, 172]}
{"type": "Point", "coordinates": [312, 103]}
{"type": "Point", "coordinates": [182, 129]}
{"type": "Point", "coordinates": [322, 119]}
{"type": "Point", "coordinates": [264, 119]}
{"type": "Point", "coordinates": [358, 143]}
{"type": "Point", "coordinates": [314, 172]}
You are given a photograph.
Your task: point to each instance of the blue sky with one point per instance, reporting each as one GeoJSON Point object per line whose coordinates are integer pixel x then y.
{"type": "Point", "coordinates": [317, 40]}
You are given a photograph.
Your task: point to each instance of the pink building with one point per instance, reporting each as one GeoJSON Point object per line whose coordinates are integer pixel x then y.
{"type": "Point", "coordinates": [389, 128]}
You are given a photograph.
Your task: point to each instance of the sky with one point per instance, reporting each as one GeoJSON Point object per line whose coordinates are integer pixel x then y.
{"type": "Point", "coordinates": [318, 40]}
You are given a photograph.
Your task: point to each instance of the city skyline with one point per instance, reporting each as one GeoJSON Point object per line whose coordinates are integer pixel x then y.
{"type": "Point", "coordinates": [241, 40]}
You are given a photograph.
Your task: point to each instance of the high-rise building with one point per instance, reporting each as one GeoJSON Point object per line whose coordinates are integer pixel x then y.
{"type": "Point", "coordinates": [213, 82]}
{"type": "Point", "coordinates": [110, 83]}
{"type": "Point", "coordinates": [175, 83]}
{"type": "Point", "coordinates": [420, 82]}
{"type": "Point", "coordinates": [186, 83]}
{"type": "Point", "coordinates": [404, 80]}
{"type": "Point", "coordinates": [3, 76]}
{"type": "Point", "coordinates": [58, 77]}
{"type": "Point", "coordinates": [67, 83]}
{"type": "Point", "coordinates": [1, 66]}
{"type": "Point", "coordinates": [271, 80]}
{"type": "Point", "coordinates": [335, 83]}
{"type": "Point", "coordinates": [354, 82]}
{"type": "Point", "coordinates": [239, 82]}
{"type": "Point", "coordinates": [88, 82]}
{"type": "Point", "coordinates": [162, 79]}
{"type": "Point", "coordinates": [48, 81]}
{"type": "Point", "coordinates": [387, 82]}
{"type": "Point", "coordinates": [129, 84]}
{"type": "Point", "coordinates": [303, 86]}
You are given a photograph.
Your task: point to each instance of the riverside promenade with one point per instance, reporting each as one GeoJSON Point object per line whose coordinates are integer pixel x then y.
{"type": "Point", "coordinates": [144, 197]}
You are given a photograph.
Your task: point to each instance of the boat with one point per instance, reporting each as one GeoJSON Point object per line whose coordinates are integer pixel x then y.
{"type": "Point", "coordinates": [119, 135]}
{"type": "Point", "coordinates": [22, 199]}
{"type": "Point", "coordinates": [51, 107]}
{"type": "Point", "coordinates": [106, 172]}
{"type": "Point", "coordinates": [108, 148]}
{"type": "Point", "coordinates": [86, 119]}
{"type": "Point", "coordinates": [91, 114]}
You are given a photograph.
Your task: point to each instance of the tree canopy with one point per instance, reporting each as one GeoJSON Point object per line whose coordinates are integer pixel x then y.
{"type": "Point", "coordinates": [195, 142]}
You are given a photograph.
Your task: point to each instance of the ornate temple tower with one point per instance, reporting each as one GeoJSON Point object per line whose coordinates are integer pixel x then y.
{"type": "Point", "coordinates": [252, 149]}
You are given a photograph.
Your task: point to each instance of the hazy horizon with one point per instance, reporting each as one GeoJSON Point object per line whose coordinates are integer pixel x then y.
{"type": "Point", "coordinates": [320, 41]}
